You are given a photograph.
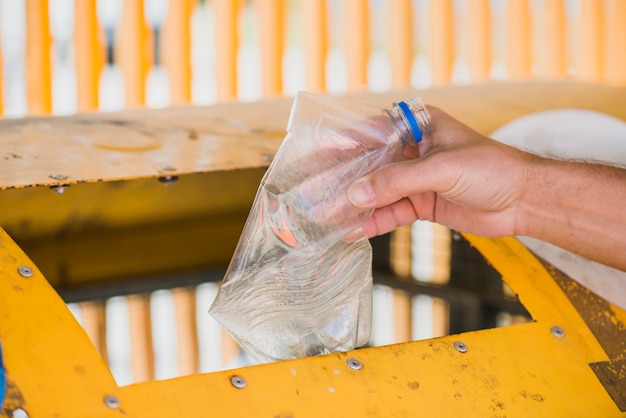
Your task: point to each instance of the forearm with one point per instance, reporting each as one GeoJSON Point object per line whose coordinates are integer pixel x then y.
{"type": "Point", "coordinates": [578, 206]}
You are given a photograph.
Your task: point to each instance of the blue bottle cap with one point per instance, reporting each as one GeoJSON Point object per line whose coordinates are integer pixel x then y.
{"type": "Point", "coordinates": [417, 132]}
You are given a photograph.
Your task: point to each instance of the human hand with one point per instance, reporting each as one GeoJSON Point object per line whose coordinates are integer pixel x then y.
{"type": "Point", "coordinates": [465, 181]}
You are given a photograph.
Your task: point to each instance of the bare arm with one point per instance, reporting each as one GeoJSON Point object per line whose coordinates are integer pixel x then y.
{"type": "Point", "coordinates": [471, 183]}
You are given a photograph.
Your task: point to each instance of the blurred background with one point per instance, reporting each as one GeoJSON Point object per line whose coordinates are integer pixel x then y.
{"type": "Point", "coordinates": [60, 57]}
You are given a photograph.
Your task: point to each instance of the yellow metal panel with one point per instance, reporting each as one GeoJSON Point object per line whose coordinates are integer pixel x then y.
{"type": "Point", "coordinates": [524, 370]}
{"type": "Point", "coordinates": [49, 360]}
{"type": "Point", "coordinates": [518, 371]}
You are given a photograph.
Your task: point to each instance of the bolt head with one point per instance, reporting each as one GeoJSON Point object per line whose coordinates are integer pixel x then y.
{"type": "Point", "coordinates": [25, 271]}
{"type": "Point", "coordinates": [354, 364]}
{"type": "Point", "coordinates": [557, 331]}
{"type": "Point", "coordinates": [238, 382]}
{"type": "Point", "coordinates": [57, 176]}
{"type": "Point", "coordinates": [460, 347]}
{"type": "Point", "coordinates": [19, 413]}
{"type": "Point", "coordinates": [111, 401]}
{"type": "Point", "coordinates": [168, 180]}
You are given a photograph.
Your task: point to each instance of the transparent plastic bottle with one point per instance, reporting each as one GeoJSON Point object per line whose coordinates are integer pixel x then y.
{"type": "Point", "coordinates": [295, 287]}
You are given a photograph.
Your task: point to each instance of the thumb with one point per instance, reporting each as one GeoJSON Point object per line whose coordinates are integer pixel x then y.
{"type": "Point", "coordinates": [391, 183]}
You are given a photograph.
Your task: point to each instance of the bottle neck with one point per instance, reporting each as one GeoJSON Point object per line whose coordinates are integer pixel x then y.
{"type": "Point", "coordinates": [411, 119]}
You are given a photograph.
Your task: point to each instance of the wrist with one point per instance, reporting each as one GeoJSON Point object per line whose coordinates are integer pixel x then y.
{"type": "Point", "coordinates": [535, 204]}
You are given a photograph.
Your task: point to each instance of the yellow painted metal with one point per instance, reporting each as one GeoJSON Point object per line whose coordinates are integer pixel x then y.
{"type": "Point", "coordinates": [115, 207]}
{"type": "Point", "coordinates": [518, 371]}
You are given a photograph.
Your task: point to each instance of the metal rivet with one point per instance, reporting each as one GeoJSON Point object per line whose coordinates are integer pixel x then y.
{"type": "Point", "coordinates": [25, 271]}
{"type": "Point", "coordinates": [460, 347]}
{"type": "Point", "coordinates": [557, 331]}
{"type": "Point", "coordinates": [168, 180]}
{"type": "Point", "coordinates": [238, 382]}
{"type": "Point", "coordinates": [111, 401]}
{"type": "Point", "coordinates": [58, 176]}
{"type": "Point", "coordinates": [19, 413]}
{"type": "Point", "coordinates": [60, 189]}
{"type": "Point", "coordinates": [354, 364]}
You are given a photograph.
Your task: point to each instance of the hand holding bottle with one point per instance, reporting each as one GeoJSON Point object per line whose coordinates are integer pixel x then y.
{"type": "Point", "coordinates": [474, 184]}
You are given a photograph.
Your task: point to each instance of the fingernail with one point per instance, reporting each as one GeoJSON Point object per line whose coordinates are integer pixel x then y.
{"type": "Point", "coordinates": [361, 193]}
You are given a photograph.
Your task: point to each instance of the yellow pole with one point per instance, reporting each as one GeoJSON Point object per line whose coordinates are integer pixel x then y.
{"type": "Point", "coordinates": [134, 48]}
{"type": "Point", "coordinates": [226, 12]}
{"type": "Point", "coordinates": [177, 49]}
{"type": "Point", "coordinates": [88, 54]}
{"type": "Point", "coordinates": [479, 18]}
{"type": "Point", "coordinates": [315, 42]}
{"type": "Point", "coordinates": [616, 55]}
{"type": "Point", "coordinates": [591, 41]}
{"type": "Point", "coordinates": [400, 262]}
{"type": "Point", "coordinates": [518, 58]}
{"type": "Point", "coordinates": [186, 330]}
{"type": "Point", "coordinates": [271, 31]}
{"type": "Point", "coordinates": [142, 350]}
{"type": "Point", "coordinates": [400, 32]}
{"type": "Point", "coordinates": [1, 81]}
{"type": "Point", "coordinates": [94, 323]}
{"type": "Point", "coordinates": [357, 42]}
{"type": "Point", "coordinates": [38, 72]}
{"type": "Point", "coordinates": [554, 59]}
{"type": "Point", "coordinates": [441, 34]}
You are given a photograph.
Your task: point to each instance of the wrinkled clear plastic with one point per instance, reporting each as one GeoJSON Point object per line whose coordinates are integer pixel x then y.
{"type": "Point", "coordinates": [295, 287]}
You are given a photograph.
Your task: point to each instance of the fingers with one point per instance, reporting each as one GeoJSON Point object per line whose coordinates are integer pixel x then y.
{"type": "Point", "coordinates": [393, 182]}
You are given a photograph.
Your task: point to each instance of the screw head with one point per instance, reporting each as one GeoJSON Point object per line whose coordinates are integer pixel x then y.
{"type": "Point", "coordinates": [19, 413]}
{"type": "Point", "coordinates": [25, 271]}
{"type": "Point", "coordinates": [557, 331]}
{"type": "Point", "coordinates": [354, 364]}
{"type": "Point", "coordinates": [168, 180]}
{"type": "Point", "coordinates": [238, 382]}
{"type": "Point", "coordinates": [60, 189]}
{"type": "Point", "coordinates": [57, 176]}
{"type": "Point", "coordinates": [460, 347]}
{"type": "Point", "coordinates": [111, 401]}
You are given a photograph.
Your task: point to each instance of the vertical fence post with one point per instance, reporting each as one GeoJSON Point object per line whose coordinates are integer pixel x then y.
{"type": "Point", "coordinates": [177, 49]}
{"type": "Point", "coordinates": [479, 17]}
{"type": "Point", "coordinates": [400, 41]}
{"type": "Point", "coordinates": [141, 344]}
{"type": "Point", "coordinates": [591, 40]}
{"type": "Point", "coordinates": [88, 55]}
{"type": "Point", "coordinates": [357, 41]}
{"type": "Point", "coordinates": [441, 32]}
{"type": "Point", "coordinates": [1, 80]}
{"type": "Point", "coordinates": [400, 263]}
{"type": "Point", "coordinates": [555, 47]}
{"type": "Point", "coordinates": [94, 323]}
{"type": "Point", "coordinates": [616, 54]}
{"type": "Point", "coordinates": [271, 33]}
{"type": "Point", "coordinates": [315, 42]}
{"type": "Point", "coordinates": [186, 330]}
{"type": "Point", "coordinates": [38, 72]}
{"type": "Point", "coordinates": [226, 34]}
{"type": "Point", "coordinates": [518, 62]}
{"type": "Point", "coordinates": [134, 47]}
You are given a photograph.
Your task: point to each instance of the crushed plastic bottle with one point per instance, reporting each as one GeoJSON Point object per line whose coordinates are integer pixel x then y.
{"type": "Point", "coordinates": [295, 287]}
